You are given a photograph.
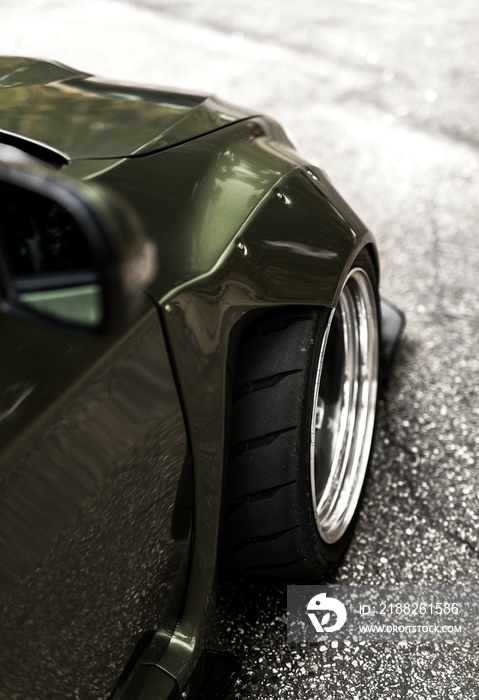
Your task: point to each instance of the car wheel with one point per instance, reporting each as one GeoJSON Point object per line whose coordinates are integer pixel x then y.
{"type": "Point", "coordinates": [302, 429]}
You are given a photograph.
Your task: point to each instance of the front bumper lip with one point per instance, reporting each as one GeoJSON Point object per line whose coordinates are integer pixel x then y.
{"type": "Point", "coordinates": [393, 323]}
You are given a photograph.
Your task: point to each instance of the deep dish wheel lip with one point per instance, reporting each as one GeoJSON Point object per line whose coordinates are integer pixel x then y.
{"type": "Point", "coordinates": [353, 417]}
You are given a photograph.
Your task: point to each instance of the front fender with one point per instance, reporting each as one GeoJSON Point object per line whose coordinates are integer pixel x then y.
{"type": "Point", "coordinates": [294, 248]}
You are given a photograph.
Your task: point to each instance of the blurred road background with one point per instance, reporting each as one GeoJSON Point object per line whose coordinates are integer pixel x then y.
{"type": "Point", "coordinates": [384, 96]}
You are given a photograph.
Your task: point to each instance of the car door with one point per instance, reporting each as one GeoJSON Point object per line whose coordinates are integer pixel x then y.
{"type": "Point", "coordinates": [92, 531]}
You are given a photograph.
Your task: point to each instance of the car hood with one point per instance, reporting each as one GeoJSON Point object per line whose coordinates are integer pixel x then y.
{"type": "Point", "coordinates": [84, 117]}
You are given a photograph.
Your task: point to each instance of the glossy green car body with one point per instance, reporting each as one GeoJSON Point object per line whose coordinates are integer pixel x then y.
{"type": "Point", "coordinates": [105, 437]}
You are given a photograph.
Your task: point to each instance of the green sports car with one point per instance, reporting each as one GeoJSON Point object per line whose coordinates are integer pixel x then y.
{"type": "Point", "coordinates": [190, 343]}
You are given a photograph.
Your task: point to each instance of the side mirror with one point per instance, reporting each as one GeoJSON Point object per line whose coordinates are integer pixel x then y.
{"type": "Point", "coordinates": [72, 254]}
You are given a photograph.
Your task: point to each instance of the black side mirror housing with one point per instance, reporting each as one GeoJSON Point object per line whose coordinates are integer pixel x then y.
{"type": "Point", "coordinates": [72, 255]}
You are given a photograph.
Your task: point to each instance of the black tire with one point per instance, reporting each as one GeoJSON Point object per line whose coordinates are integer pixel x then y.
{"type": "Point", "coordinates": [290, 513]}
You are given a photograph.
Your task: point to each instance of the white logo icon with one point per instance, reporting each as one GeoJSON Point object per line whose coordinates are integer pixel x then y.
{"type": "Point", "coordinates": [321, 602]}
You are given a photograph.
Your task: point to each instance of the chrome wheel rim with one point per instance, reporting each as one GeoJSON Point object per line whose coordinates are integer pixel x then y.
{"type": "Point", "coordinates": [344, 407]}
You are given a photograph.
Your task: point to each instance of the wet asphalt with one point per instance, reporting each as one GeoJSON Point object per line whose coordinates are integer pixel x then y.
{"type": "Point", "coordinates": [384, 97]}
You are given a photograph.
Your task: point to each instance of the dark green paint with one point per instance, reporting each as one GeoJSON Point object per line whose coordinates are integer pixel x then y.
{"type": "Point", "coordinates": [84, 117]}
{"type": "Point", "coordinates": [99, 443]}
{"type": "Point", "coordinates": [241, 223]}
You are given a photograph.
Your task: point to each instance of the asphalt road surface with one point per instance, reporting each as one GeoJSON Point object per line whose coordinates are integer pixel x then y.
{"type": "Point", "coordinates": [383, 96]}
